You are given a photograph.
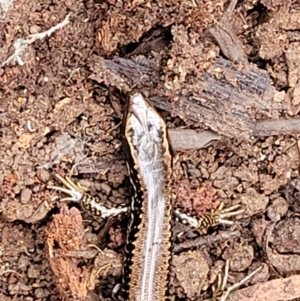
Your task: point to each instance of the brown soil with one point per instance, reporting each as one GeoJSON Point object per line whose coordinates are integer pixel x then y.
{"type": "Point", "coordinates": [55, 116]}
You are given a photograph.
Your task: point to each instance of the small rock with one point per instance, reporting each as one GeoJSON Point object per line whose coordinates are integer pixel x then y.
{"type": "Point", "coordinates": [25, 196]}
{"type": "Point", "coordinates": [39, 293]}
{"type": "Point", "coordinates": [277, 209]}
{"type": "Point", "coordinates": [43, 175]}
{"type": "Point", "coordinates": [35, 29]}
{"type": "Point", "coordinates": [16, 189]}
{"type": "Point", "coordinates": [29, 181]}
{"type": "Point", "coordinates": [106, 188]}
{"type": "Point", "coordinates": [33, 272]}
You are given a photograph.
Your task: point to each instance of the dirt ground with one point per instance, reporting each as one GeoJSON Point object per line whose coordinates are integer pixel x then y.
{"type": "Point", "coordinates": [59, 115]}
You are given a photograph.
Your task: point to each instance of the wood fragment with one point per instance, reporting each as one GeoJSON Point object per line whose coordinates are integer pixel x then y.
{"type": "Point", "coordinates": [206, 240]}
{"type": "Point", "coordinates": [229, 103]}
{"type": "Point", "coordinates": [273, 290]}
{"type": "Point", "coordinates": [228, 41]}
{"type": "Point", "coordinates": [65, 234]}
{"type": "Point", "coordinates": [91, 167]}
{"type": "Point", "coordinates": [276, 127]}
{"type": "Point", "coordinates": [184, 139]}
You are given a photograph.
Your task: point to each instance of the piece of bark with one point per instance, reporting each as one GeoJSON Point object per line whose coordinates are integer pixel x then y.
{"type": "Point", "coordinates": [275, 127]}
{"type": "Point", "coordinates": [206, 241]}
{"type": "Point", "coordinates": [228, 41]}
{"type": "Point", "coordinates": [273, 290]}
{"type": "Point", "coordinates": [184, 139]}
{"type": "Point", "coordinates": [101, 167]}
{"type": "Point", "coordinates": [124, 74]}
{"type": "Point", "coordinates": [229, 103]}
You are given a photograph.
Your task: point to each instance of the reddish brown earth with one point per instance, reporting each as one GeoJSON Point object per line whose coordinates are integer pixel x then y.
{"type": "Point", "coordinates": [55, 116]}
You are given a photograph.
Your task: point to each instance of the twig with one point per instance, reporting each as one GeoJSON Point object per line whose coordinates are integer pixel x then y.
{"type": "Point", "coordinates": [236, 285]}
{"type": "Point", "coordinates": [220, 293]}
{"type": "Point", "coordinates": [11, 271]}
{"type": "Point", "coordinates": [274, 290]}
{"type": "Point", "coordinates": [185, 139]}
{"type": "Point", "coordinates": [206, 240]}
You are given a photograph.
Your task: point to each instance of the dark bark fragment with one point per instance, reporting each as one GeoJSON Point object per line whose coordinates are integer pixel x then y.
{"type": "Point", "coordinates": [230, 102]}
